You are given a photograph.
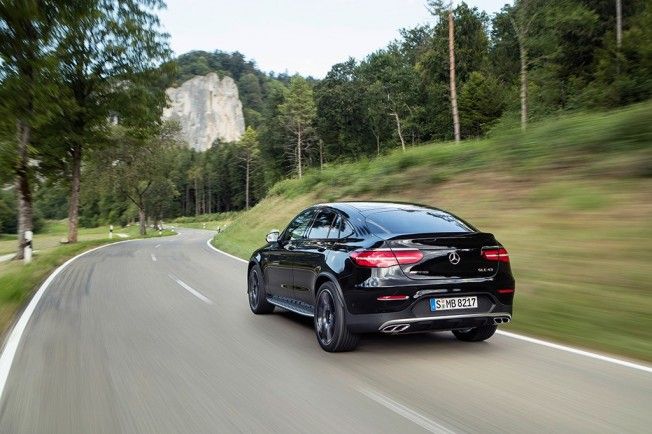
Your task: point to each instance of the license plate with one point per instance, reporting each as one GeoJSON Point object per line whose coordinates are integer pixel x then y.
{"type": "Point", "coordinates": [452, 303]}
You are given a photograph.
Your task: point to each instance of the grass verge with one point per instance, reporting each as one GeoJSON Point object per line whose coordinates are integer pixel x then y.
{"type": "Point", "coordinates": [56, 230]}
{"type": "Point", "coordinates": [571, 200]}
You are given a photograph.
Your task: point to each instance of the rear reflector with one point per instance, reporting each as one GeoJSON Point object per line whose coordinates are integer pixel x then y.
{"type": "Point", "coordinates": [491, 254]}
{"type": "Point", "coordinates": [383, 258]}
{"type": "Point", "coordinates": [393, 297]}
{"type": "Point", "coordinates": [505, 291]}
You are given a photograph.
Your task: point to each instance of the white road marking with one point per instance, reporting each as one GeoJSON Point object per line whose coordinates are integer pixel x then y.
{"type": "Point", "coordinates": [576, 351]}
{"type": "Point", "coordinates": [208, 243]}
{"type": "Point", "coordinates": [157, 246]}
{"type": "Point", "coordinates": [188, 288]}
{"type": "Point", "coordinates": [153, 257]}
{"type": "Point", "coordinates": [11, 344]}
{"type": "Point", "coordinates": [419, 419]}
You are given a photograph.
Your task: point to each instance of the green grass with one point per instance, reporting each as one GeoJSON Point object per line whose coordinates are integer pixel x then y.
{"type": "Point", "coordinates": [18, 281]}
{"type": "Point", "coordinates": [571, 200]}
{"type": "Point", "coordinates": [56, 231]}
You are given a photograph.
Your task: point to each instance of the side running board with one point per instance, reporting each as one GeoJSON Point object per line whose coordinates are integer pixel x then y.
{"type": "Point", "coordinates": [293, 305]}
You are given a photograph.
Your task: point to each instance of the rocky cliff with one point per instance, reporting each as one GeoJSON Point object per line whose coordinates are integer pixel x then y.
{"type": "Point", "coordinates": [207, 109]}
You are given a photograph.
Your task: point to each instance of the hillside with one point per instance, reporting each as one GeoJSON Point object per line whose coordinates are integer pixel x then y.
{"type": "Point", "coordinates": [571, 200]}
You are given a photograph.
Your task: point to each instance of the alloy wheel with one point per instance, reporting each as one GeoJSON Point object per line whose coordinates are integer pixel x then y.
{"type": "Point", "coordinates": [325, 317]}
{"type": "Point", "coordinates": [254, 286]}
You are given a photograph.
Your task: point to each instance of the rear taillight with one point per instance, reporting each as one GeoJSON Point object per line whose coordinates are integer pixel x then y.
{"type": "Point", "coordinates": [383, 258]}
{"type": "Point", "coordinates": [492, 254]}
{"type": "Point", "coordinates": [408, 256]}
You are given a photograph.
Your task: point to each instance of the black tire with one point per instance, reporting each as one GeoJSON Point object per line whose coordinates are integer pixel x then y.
{"type": "Point", "coordinates": [256, 292]}
{"type": "Point", "coordinates": [476, 334]}
{"type": "Point", "coordinates": [330, 321]}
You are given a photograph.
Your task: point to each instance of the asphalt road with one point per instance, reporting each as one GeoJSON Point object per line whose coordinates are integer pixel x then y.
{"type": "Point", "coordinates": [156, 336]}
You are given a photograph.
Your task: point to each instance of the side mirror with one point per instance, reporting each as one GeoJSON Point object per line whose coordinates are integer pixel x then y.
{"type": "Point", "coordinates": [272, 236]}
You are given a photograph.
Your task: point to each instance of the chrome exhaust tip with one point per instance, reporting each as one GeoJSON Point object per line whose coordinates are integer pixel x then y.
{"type": "Point", "coordinates": [395, 328]}
{"type": "Point", "coordinates": [501, 320]}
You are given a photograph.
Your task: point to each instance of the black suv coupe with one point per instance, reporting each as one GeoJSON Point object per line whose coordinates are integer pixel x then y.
{"type": "Point", "coordinates": [360, 267]}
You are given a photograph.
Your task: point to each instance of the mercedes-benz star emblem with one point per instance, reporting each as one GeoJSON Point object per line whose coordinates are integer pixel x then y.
{"type": "Point", "coordinates": [454, 258]}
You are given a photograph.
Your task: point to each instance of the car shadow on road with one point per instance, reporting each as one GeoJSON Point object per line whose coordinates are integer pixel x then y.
{"type": "Point", "coordinates": [411, 343]}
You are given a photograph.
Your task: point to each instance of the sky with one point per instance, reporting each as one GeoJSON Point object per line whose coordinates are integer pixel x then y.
{"type": "Point", "coordinates": [295, 36]}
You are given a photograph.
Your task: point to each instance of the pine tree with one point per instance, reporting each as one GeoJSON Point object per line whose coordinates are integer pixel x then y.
{"type": "Point", "coordinates": [299, 112]}
{"type": "Point", "coordinates": [248, 153]}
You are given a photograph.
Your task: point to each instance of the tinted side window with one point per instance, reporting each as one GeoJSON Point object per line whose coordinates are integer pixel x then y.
{"type": "Point", "coordinates": [400, 221]}
{"type": "Point", "coordinates": [346, 230]}
{"type": "Point", "coordinates": [321, 225]}
{"type": "Point", "coordinates": [341, 229]}
{"type": "Point", "coordinates": [335, 229]}
{"type": "Point", "coordinates": [297, 228]}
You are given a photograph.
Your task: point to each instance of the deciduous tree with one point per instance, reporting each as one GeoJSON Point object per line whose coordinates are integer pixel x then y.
{"type": "Point", "coordinates": [137, 164]}
{"type": "Point", "coordinates": [27, 38]}
{"type": "Point", "coordinates": [106, 44]}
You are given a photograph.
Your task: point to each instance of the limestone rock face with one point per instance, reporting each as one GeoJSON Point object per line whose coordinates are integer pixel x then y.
{"type": "Point", "coordinates": [207, 109]}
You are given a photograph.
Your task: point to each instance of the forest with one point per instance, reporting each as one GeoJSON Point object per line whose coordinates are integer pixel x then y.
{"type": "Point", "coordinates": [81, 136]}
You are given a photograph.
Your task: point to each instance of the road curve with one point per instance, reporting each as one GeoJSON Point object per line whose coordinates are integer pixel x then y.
{"type": "Point", "coordinates": [156, 336]}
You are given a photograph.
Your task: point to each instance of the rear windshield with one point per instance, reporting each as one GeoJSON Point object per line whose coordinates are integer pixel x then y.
{"type": "Point", "coordinates": [402, 222]}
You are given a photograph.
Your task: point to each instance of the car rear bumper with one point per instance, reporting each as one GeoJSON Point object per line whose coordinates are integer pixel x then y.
{"type": "Point", "coordinates": [405, 322]}
{"type": "Point", "coordinates": [416, 314]}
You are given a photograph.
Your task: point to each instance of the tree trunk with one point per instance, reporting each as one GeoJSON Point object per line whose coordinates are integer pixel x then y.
{"type": "Point", "coordinates": [247, 186]}
{"type": "Point", "coordinates": [210, 198]}
{"type": "Point", "coordinates": [23, 191]}
{"type": "Point", "coordinates": [299, 153]}
{"type": "Point", "coordinates": [186, 205]}
{"type": "Point", "coordinates": [619, 32]}
{"type": "Point", "coordinates": [524, 108]}
{"type": "Point", "coordinates": [142, 221]}
{"type": "Point", "coordinates": [522, 28]}
{"type": "Point", "coordinates": [321, 154]}
{"type": "Point", "coordinates": [399, 130]}
{"type": "Point", "coordinates": [619, 24]}
{"type": "Point", "coordinates": [196, 198]}
{"type": "Point", "coordinates": [377, 137]}
{"type": "Point", "coordinates": [451, 61]}
{"type": "Point", "coordinates": [75, 184]}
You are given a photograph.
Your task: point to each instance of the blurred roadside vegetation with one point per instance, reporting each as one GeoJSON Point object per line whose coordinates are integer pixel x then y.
{"type": "Point", "coordinates": [571, 200]}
